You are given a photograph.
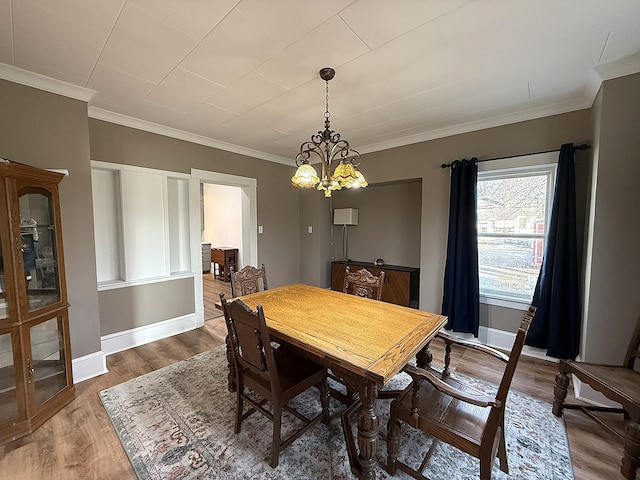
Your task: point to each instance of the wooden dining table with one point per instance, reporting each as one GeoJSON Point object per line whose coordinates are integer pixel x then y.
{"type": "Point", "coordinates": [364, 342]}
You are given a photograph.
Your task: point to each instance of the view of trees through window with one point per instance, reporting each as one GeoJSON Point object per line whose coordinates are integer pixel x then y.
{"type": "Point", "coordinates": [512, 221]}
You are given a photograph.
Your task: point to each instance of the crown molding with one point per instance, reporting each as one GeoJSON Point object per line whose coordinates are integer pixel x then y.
{"type": "Point", "coordinates": [127, 121]}
{"type": "Point", "coordinates": [485, 123]}
{"type": "Point", "coordinates": [626, 66]}
{"type": "Point", "coordinates": [42, 82]}
{"type": "Point", "coordinates": [619, 68]}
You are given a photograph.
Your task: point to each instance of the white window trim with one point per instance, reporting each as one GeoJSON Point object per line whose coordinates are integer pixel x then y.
{"type": "Point", "coordinates": [515, 167]}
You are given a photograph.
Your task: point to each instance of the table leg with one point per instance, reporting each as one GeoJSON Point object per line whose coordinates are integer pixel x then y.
{"type": "Point", "coordinates": [368, 430]}
{"type": "Point", "coordinates": [424, 357]}
{"type": "Point", "coordinates": [231, 376]}
{"type": "Point", "coordinates": [362, 458]}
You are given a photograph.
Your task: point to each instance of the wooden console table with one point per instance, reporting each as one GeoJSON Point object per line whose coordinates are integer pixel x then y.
{"type": "Point", "coordinates": [401, 284]}
{"type": "Point", "coordinates": [223, 258]}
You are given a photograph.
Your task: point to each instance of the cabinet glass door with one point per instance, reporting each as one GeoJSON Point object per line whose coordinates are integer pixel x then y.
{"type": "Point", "coordinates": [8, 400]}
{"type": "Point", "coordinates": [38, 235]}
{"type": "Point", "coordinates": [47, 367]}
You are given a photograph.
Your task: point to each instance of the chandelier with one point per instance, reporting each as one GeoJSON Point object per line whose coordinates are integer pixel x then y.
{"type": "Point", "coordinates": [331, 150]}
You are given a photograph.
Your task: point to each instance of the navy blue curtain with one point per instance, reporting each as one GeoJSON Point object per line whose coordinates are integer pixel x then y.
{"type": "Point", "coordinates": [461, 296]}
{"type": "Point", "coordinates": [556, 325]}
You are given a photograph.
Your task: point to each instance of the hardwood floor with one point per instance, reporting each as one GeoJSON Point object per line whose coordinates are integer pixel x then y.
{"type": "Point", "coordinates": [80, 442]}
{"type": "Point", "coordinates": [211, 292]}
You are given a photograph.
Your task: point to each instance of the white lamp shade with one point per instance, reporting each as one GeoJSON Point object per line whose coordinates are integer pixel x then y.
{"type": "Point", "coordinates": [345, 216]}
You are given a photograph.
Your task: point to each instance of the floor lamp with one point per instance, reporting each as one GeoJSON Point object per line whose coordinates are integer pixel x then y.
{"type": "Point", "coordinates": [345, 217]}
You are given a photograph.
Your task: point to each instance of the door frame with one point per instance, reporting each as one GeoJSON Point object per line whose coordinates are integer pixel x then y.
{"type": "Point", "coordinates": [248, 187]}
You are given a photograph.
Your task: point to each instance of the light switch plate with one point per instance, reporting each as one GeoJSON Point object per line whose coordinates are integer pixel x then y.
{"type": "Point", "coordinates": [310, 229]}
{"type": "Point", "coordinates": [260, 229]}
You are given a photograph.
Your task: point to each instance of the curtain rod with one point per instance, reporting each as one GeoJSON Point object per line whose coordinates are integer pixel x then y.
{"type": "Point", "coordinates": [584, 146]}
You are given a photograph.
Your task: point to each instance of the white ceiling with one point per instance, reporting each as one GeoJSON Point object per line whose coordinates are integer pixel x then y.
{"type": "Point", "coordinates": [243, 75]}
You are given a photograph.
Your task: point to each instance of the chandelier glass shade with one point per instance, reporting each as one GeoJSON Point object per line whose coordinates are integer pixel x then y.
{"type": "Point", "coordinates": [331, 150]}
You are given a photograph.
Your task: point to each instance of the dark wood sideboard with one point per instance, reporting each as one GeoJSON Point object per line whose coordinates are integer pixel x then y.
{"type": "Point", "coordinates": [223, 258]}
{"type": "Point", "coordinates": [401, 284]}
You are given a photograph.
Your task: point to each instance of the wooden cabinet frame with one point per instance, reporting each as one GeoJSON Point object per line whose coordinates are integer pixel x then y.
{"type": "Point", "coordinates": [23, 307]}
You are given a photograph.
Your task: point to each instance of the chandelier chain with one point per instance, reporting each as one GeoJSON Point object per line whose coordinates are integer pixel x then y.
{"type": "Point", "coordinates": [326, 112]}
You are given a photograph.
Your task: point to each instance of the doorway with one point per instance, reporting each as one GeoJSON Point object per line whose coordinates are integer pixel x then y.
{"type": "Point", "coordinates": [243, 191]}
{"type": "Point", "coordinates": [221, 215]}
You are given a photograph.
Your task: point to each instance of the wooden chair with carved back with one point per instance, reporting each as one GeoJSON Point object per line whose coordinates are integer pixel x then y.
{"type": "Point", "coordinates": [274, 375]}
{"type": "Point", "coordinates": [452, 412]}
{"type": "Point", "coordinates": [619, 383]}
{"type": "Point", "coordinates": [247, 280]}
{"type": "Point", "coordinates": [363, 283]}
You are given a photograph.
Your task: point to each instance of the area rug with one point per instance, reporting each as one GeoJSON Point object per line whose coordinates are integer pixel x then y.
{"type": "Point", "coordinates": [177, 423]}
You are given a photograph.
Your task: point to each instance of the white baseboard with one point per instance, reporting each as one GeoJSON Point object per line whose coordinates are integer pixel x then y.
{"type": "Point", "coordinates": [119, 341]}
{"type": "Point", "coordinates": [89, 366]}
{"type": "Point", "coordinates": [504, 341]}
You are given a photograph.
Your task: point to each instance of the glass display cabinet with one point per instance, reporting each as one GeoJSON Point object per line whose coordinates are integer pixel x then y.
{"type": "Point", "coordinates": [35, 354]}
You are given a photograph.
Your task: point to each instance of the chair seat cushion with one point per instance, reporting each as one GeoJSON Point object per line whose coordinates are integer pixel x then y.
{"type": "Point", "coordinates": [620, 384]}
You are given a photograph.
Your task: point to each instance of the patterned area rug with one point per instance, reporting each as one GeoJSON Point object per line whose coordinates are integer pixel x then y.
{"type": "Point", "coordinates": [177, 423]}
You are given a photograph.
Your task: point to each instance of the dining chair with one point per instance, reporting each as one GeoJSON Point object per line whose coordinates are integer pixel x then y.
{"type": "Point", "coordinates": [450, 411]}
{"type": "Point", "coordinates": [247, 280]}
{"type": "Point", "coordinates": [363, 283]}
{"type": "Point", "coordinates": [275, 375]}
{"type": "Point", "coordinates": [619, 383]}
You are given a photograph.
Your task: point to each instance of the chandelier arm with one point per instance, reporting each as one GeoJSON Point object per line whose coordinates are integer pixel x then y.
{"type": "Point", "coordinates": [317, 139]}
{"type": "Point", "coordinates": [356, 159]}
{"type": "Point", "coordinates": [306, 149]}
{"type": "Point", "coordinates": [340, 148]}
{"type": "Point", "coordinates": [307, 155]}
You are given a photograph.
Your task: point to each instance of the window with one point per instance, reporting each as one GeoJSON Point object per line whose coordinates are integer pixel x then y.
{"type": "Point", "coordinates": [141, 224]}
{"type": "Point", "coordinates": [513, 214]}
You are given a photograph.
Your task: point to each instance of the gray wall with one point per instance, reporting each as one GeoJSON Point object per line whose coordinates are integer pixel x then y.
{"type": "Point", "coordinates": [613, 302]}
{"type": "Point", "coordinates": [50, 131]}
{"type": "Point", "coordinates": [422, 161]}
{"type": "Point", "coordinates": [125, 308]}
{"type": "Point", "coordinates": [278, 210]}
{"type": "Point", "coordinates": [388, 223]}
{"type": "Point", "coordinates": [315, 250]}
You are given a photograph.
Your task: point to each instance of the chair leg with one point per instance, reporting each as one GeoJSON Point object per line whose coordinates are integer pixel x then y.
{"type": "Point", "coordinates": [324, 399]}
{"type": "Point", "coordinates": [393, 443]}
{"type": "Point", "coordinates": [485, 468]}
{"type": "Point", "coordinates": [631, 458]}
{"type": "Point", "coordinates": [446, 372]}
{"type": "Point", "coordinates": [275, 443]}
{"type": "Point", "coordinates": [560, 392]}
{"type": "Point", "coordinates": [502, 451]}
{"type": "Point", "coordinates": [239, 407]}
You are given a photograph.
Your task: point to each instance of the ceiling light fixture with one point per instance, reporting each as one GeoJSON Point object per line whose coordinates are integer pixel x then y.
{"type": "Point", "coordinates": [328, 146]}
